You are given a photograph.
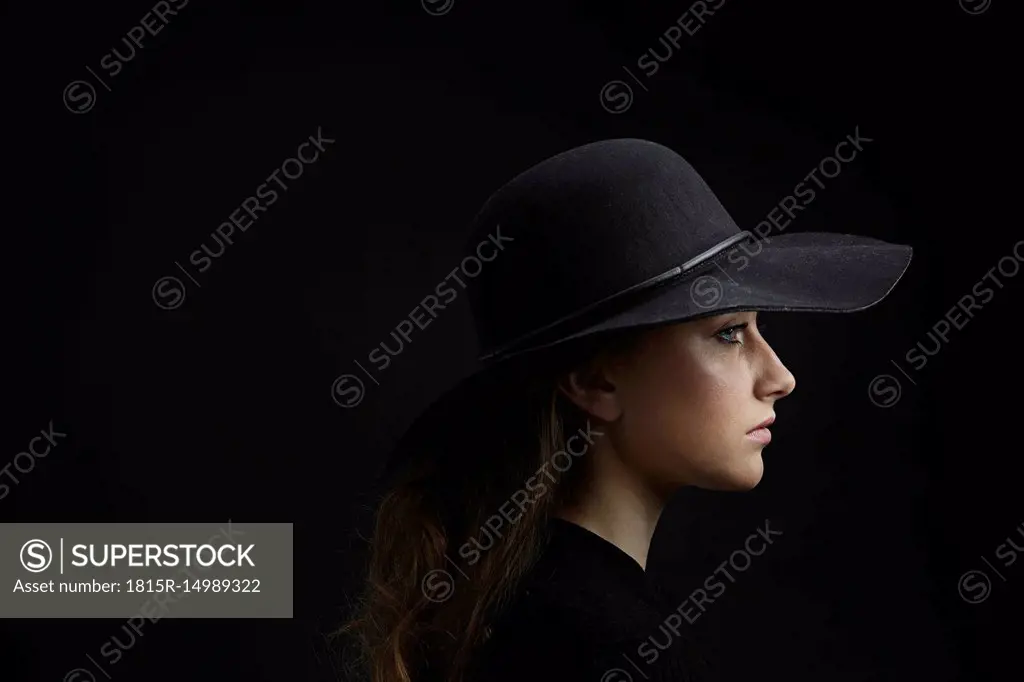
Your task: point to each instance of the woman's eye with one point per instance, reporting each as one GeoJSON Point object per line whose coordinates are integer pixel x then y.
{"type": "Point", "coordinates": [728, 335]}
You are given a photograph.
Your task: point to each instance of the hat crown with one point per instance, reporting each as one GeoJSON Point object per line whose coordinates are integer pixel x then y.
{"type": "Point", "coordinates": [582, 226]}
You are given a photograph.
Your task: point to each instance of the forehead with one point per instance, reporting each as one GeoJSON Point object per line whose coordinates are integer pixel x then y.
{"type": "Point", "coordinates": [718, 319]}
{"type": "Point", "coordinates": [698, 327]}
{"type": "Point", "coordinates": [657, 336]}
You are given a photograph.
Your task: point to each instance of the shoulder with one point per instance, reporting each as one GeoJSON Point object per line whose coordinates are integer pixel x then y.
{"type": "Point", "coordinates": [537, 638]}
{"type": "Point", "coordinates": [560, 632]}
{"type": "Point", "coordinates": [561, 635]}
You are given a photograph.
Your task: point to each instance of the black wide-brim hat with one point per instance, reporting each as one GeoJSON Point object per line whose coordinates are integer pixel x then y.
{"type": "Point", "coordinates": [624, 233]}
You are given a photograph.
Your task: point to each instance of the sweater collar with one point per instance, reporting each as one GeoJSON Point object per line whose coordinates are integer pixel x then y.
{"type": "Point", "coordinates": [574, 546]}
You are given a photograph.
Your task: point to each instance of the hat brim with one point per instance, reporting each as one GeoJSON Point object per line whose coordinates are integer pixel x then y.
{"type": "Point", "coordinates": [807, 271]}
{"type": "Point", "coordinates": [803, 271]}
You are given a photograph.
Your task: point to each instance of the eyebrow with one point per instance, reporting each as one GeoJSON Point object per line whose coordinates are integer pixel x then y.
{"type": "Point", "coordinates": [740, 312]}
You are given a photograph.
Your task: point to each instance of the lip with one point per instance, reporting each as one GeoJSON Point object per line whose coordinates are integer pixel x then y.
{"type": "Point", "coordinates": [763, 425]}
{"type": "Point", "coordinates": [762, 436]}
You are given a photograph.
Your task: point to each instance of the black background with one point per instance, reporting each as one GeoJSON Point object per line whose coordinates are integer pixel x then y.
{"type": "Point", "coordinates": [222, 408]}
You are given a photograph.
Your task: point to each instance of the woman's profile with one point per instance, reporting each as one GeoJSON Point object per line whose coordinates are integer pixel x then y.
{"type": "Point", "coordinates": [622, 358]}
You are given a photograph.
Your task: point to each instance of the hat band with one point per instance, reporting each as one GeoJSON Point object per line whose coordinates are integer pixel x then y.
{"type": "Point", "coordinates": [674, 273]}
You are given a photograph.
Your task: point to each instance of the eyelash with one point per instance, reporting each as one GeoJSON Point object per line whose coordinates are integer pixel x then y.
{"type": "Point", "coordinates": [736, 327]}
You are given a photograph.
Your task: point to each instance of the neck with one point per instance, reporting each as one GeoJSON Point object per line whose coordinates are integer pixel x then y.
{"type": "Point", "coordinates": [617, 504]}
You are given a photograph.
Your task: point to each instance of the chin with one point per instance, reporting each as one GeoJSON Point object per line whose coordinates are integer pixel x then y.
{"type": "Point", "coordinates": [743, 475]}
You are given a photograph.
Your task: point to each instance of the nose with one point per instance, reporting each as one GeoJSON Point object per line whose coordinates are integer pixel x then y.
{"type": "Point", "coordinates": [775, 381]}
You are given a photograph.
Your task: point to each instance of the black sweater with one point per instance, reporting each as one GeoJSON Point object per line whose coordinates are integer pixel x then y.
{"type": "Point", "coordinates": [588, 612]}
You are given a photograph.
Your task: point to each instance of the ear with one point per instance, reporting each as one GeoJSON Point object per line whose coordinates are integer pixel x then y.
{"type": "Point", "coordinates": [592, 390]}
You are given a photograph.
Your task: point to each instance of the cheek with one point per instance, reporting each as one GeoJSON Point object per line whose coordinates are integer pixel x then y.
{"type": "Point", "coordinates": [684, 416]}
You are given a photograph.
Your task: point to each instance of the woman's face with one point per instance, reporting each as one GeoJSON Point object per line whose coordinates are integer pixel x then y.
{"type": "Point", "coordinates": [688, 396]}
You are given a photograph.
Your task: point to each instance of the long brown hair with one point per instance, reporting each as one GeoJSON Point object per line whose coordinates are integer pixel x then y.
{"type": "Point", "coordinates": [434, 586]}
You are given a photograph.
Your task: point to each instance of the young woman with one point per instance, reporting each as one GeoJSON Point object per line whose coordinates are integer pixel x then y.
{"type": "Point", "coordinates": [617, 303]}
